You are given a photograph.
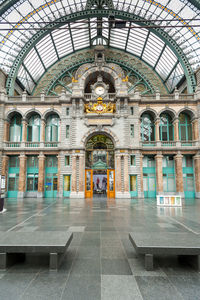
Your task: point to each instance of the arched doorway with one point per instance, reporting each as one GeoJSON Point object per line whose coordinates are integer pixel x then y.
{"type": "Point", "coordinates": [99, 172]}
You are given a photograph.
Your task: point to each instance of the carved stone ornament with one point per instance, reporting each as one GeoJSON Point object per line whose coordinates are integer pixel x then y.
{"type": "Point", "coordinates": [100, 107]}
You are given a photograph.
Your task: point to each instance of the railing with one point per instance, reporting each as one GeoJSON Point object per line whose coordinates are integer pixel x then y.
{"type": "Point", "coordinates": [111, 96]}
{"type": "Point", "coordinates": [148, 143]}
{"type": "Point", "coordinates": [168, 143]}
{"type": "Point", "coordinates": [51, 144]}
{"type": "Point", "coordinates": [32, 144]}
{"type": "Point", "coordinates": [12, 144]}
{"type": "Point", "coordinates": [188, 143]}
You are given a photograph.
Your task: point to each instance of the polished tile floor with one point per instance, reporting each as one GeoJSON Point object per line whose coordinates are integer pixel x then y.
{"type": "Point", "coordinates": [101, 262]}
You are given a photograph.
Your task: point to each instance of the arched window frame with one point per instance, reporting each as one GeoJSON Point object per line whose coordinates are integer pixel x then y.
{"type": "Point", "coordinates": [169, 126]}
{"type": "Point", "coordinates": [31, 123]}
{"type": "Point", "coordinates": [188, 127]}
{"type": "Point", "coordinates": [149, 127]}
{"type": "Point", "coordinates": [15, 126]}
{"type": "Point", "coordinates": [50, 126]}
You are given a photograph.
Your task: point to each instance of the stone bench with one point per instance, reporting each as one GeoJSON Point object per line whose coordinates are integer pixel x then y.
{"type": "Point", "coordinates": [54, 243]}
{"type": "Point", "coordinates": [150, 244]}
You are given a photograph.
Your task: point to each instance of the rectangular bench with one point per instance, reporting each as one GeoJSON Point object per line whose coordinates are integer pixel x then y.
{"type": "Point", "coordinates": [54, 243]}
{"type": "Point", "coordinates": [150, 244]}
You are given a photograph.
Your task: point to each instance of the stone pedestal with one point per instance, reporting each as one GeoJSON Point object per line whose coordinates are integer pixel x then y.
{"type": "Point", "coordinates": [41, 175]}
{"type": "Point", "coordinates": [197, 174]}
{"type": "Point", "coordinates": [22, 177]}
{"type": "Point", "coordinates": [159, 173]}
{"type": "Point", "coordinates": [179, 174]}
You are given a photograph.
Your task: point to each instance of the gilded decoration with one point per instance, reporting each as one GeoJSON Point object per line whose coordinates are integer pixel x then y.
{"type": "Point", "coordinates": [100, 107]}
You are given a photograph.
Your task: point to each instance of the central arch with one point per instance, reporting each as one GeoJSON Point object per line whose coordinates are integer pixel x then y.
{"type": "Point", "coordinates": [100, 166]}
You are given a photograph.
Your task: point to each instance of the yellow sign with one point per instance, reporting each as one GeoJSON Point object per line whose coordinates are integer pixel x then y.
{"type": "Point", "coordinates": [100, 107]}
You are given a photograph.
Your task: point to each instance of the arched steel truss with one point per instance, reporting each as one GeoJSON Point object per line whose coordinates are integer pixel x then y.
{"type": "Point", "coordinates": [102, 13]}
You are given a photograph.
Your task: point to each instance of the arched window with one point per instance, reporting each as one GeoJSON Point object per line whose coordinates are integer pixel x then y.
{"type": "Point", "coordinates": [185, 127]}
{"type": "Point", "coordinates": [16, 128]}
{"type": "Point", "coordinates": [166, 128]}
{"type": "Point", "coordinates": [34, 128]}
{"type": "Point", "coordinates": [147, 128]}
{"type": "Point", "coordinates": [52, 127]}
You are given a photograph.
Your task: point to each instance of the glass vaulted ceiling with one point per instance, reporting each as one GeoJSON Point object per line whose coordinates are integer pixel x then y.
{"type": "Point", "coordinates": [25, 14]}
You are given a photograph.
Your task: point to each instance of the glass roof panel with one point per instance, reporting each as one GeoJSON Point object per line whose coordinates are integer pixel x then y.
{"type": "Point", "coordinates": [136, 41]}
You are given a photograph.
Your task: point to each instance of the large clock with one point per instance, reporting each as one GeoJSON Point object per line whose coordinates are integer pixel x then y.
{"type": "Point", "coordinates": [99, 90]}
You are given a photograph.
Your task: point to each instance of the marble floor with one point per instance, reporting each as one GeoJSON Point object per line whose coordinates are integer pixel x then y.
{"type": "Point", "coordinates": [101, 262]}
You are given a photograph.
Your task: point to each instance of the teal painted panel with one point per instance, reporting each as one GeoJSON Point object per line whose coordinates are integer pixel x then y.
{"type": "Point", "coordinates": [50, 194]}
{"type": "Point", "coordinates": [149, 194]}
{"type": "Point", "coordinates": [149, 170]}
{"type": "Point", "coordinates": [12, 194]}
{"type": "Point", "coordinates": [168, 170]}
{"type": "Point", "coordinates": [134, 194]}
{"type": "Point", "coordinates": [189, 194]}
{"type": "Point", "coordinates": [188, 170]}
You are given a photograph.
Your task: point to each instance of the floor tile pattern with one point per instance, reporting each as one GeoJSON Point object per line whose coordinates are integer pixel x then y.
{"type": "Point", "coordinates": [101, 263]}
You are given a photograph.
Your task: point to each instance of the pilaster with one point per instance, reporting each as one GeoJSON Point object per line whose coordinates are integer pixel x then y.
{"type": "Point", "coordinates": [81, 175]}
{"type": "Point", "coordinates": [6, 130]}
{"type": "Point", "coordinates": [118, 183]}
{"type": "Point", "coordinates": [179, 174]}
{"type": "Point", "coordinates": [4, 168]}
{"type": "Point", "coordinates": [197, 174]}
{"type": "Point", "coordinates": [22, 177]}
{"type": "Point", "coordinates": [195, 131]}
{"type": "Point", "coordinates": [141, 175]}
{"type": "Point", "coordinates": [159, 173]}
{"type": "Point", "coordinates": [73, 193]}
{"type": "Point", "coordinates": [176, 130]}
{"type": "Point", "coordinates": [41, 175]}
{"type": "Point", "coordinates": [42, 133]}
{"type": "Point", "coordinates": [157, 124]}
{"type": "Point", "coordinates": [24, 130]}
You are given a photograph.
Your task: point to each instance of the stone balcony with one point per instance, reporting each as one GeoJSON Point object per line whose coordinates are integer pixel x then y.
{"type": "Point", "coordinates": [184, 145]}
{"type": "Point", "coordinates": [31, 145]}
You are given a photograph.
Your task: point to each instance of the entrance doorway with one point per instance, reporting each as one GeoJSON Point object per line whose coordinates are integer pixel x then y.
{"type": "Point", "coordinates": [100, 183]}
{"type": "Point", "coordinates": [99, 173]}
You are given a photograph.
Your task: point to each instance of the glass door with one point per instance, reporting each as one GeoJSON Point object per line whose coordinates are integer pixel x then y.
{"type": "Point", "coordinates": [66, 185]}
{"type": "Point", "coordinates": [13, 180]}
{"type": "Point", "coordinates": [111, 183]}
{"type": "Point", "coordinates": [88, 183]}
{"type": "Point", "coordinates": [133, 185]}
{"type": "Point", "coordinates": [51, 182]}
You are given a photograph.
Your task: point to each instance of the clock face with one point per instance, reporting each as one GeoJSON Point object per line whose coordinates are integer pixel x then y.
{"type": "Point", "coordinates": [99, 90]}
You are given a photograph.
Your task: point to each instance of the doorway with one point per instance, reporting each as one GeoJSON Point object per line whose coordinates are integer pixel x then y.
{"type": "Point", "coordinates": [99, 173]}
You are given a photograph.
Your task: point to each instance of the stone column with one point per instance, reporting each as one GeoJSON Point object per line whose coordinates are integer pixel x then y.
{"type": "Point", "coordinates": [59, 192]}
{"type": "Point", "coordinates": [159, 173]}
{"type": "Point", "coordinates": [22, 175]}
{"type": "Point", "coordinates": [197, 174]}
{"type": "Point", "coordinates": [126, 177]}
{"type": "Point", "coordinates": [179, 173]}
{"type": "Point", "coordinates": [118, 174]}
{"type": "Point", "coordinates": [176, 129]}
{"type": "Point", "coordinates": [42, 133]}
{"type": "Point", "coordinates": [157, 134]}
{"type": "Point", "coordinates": [4, 168]}
{"type": "Point", "coordinates": [74, 174]}
{"type": "Point", "coordinates": [6, 131]}
{"type": "Point", "coordinates": [24, 130]}
{"type": "Point", "coordinates": [41, 175]}
{"type": "Point", "coordinates": [195, 130]}
{"type": "Point", "coordinates": [81, 175]}
{"type": "Point", "coordinates": [141, 175]}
